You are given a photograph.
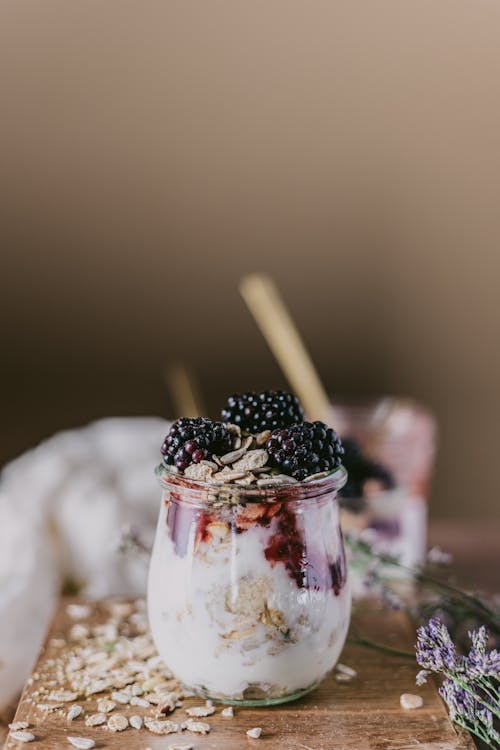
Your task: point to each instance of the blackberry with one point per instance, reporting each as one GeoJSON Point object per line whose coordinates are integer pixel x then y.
{"type": "Point", "coordinates": [304, 449]}
{"type": "Point", "coordinates": [191, 440]}
{"type": "Point", "coordinates": [268, 410]}
{"type": "Point", "coordinates": [360, 468]}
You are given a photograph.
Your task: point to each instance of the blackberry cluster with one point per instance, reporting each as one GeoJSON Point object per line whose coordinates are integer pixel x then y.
{"type": "Point", "coordinates": [304, 449]}
{"type": "Point", "coordinates": [269, 410]}
{"type": "Point", "coordinates": [191, 440]}
{"type": "Point", "coordinates": [360, 468]}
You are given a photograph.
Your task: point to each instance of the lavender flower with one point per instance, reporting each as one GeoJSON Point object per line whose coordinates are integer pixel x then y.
{"type": "Point", "coordinates": [460, 703]}
{"type": "Point", "coordinates": [470, 688]}
{"type": "Point", "coordinates": [435, 649]}
{"type": "Point", "coordinates": [436, 556]}
{"type": "Point", "coordinates": [479, 662]}
{"type": "Point", "coordinates": [421, 677]}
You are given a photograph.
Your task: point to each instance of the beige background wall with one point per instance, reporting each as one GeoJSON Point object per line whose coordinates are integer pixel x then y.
{"type": "Point", "coordinates": [151, 152]}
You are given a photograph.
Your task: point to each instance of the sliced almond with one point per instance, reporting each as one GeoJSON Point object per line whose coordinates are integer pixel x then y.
{"type": "Point", "coordinates": [201, 472]}
{"type": "Point", "coordinates": [228, 476]}
{"type": "Point", "coordinates": [232, 456]}
{"type": "Point", "coordinates": [252, 460]}
{"type": "Point", "coordinates": [314, 477]}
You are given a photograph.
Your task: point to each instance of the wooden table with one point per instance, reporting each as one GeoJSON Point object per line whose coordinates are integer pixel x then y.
{"type": "Point", "coordinates": [476, 557]}
{"type": "Point", "coordinates": [362, 714]}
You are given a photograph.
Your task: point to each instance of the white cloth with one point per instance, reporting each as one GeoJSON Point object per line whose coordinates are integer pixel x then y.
{"type": "Point", "coordinates": [81, 506]}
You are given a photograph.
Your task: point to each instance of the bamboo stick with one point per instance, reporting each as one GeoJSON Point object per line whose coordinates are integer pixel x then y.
{"type": "Point", "coordinates": [184, 391]}
{"type": "Point", "coordinates": [276, 325]}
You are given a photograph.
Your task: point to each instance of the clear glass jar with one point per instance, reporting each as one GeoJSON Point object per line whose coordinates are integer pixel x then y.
{"type": "Point", "coordinates": [248, 594]}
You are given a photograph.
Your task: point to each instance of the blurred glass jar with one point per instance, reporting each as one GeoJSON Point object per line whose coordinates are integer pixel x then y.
{"type": "Point", "coordinates": [248, 595]}
{"type": "Point", "coordinates": [397, 432]}
{"type": "Point", "coordinates": [400, 435]}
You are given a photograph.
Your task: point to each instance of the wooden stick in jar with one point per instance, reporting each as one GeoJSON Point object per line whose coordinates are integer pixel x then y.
{"type": "Point", "coordinates": [185, 395]}
{"type": "Point", "coordinates": [277, 327]}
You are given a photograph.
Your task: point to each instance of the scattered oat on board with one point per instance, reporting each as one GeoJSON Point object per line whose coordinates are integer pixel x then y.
{"type": "Point", "coordinates": [62, 696]}
{"type": "Point", "coordinates": [104, 706]}
{"type": "Point", "coordinates": [82, 743]}
{"type": "Point", "coordinates": [254, 733]}
{"type": "Point", "coordinates": [199, 727]}
{"type": "Point", "coordinates": [49, 707]}
{"type": "Point", "coordinates": [120, 698]}
{"type": "Point", "coordinates": [228, 712]}
{"type": "Point", "coordinates": [161, 727]}
{"type": "Point", "coordinates": [409, 701]}
{"type": "Point", "coordinates": [78, 611]}
{"type": "Point", "coordinates": [95, 720]}
{"type": "Point", "coordinates": [200, 711]}
{"type": "Point", "coordinates": [117, 723]}
{"type": "Point", "coordinates": [74, 712]}
{"type": "Point", "coordinates": [57, 642]}
{"type": "Point", "coordinates": [22, 736]}
{"type": "Point", "coordinates": [341, 677]}
{"type": "Point", "coordinates": [344, 669]}
{"type": "Point", "coordinates": [17, 725]}
{"type": "Point", "coordinates": [135, 721]}
{"type": "Point", "coordinates": [135, 700]}
{"type": "Point", "coordinates": [79, 632]}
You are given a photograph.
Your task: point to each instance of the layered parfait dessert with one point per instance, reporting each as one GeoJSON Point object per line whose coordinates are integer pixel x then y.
{"type": "Point", "coordinates": [248, 592]}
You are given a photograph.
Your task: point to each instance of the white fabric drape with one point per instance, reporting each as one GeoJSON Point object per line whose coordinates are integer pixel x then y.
{"type": "Point", "coordinates": [82, 506]}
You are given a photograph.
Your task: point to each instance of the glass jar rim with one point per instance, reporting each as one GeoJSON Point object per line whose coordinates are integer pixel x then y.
{"type": "Point", "coordinates": [208, 492]}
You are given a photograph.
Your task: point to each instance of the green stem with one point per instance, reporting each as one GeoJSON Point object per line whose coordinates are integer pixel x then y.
{"type": "Point", "coordinates": [473, 600]}
{"type": "Point", "coordinates": [474, 695]}
{"type": "Point", "coordinates": [426, 578]}
{"type": "Point", "coordinates": [480, 735]}
{"type": "Point", "coordinates": [358, 641]}
{"type": "Point", "coordinates": [488, 688]}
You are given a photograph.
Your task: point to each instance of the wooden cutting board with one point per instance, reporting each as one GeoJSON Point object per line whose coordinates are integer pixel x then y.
{"type": "Point", "coordinates": [362, 714]}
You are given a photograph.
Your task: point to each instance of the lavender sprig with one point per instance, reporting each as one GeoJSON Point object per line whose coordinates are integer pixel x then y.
{"type": "Point", "coordinates": [382, 576]}
{"type": "Point", "coordinates": [471, 683]}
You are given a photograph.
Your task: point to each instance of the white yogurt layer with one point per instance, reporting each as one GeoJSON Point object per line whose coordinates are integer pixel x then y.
{"type": "Point", "coordinates": [230, 623]}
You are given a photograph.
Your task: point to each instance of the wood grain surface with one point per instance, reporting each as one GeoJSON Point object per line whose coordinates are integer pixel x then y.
{"type": "Point", "coordinates": [363, 714]}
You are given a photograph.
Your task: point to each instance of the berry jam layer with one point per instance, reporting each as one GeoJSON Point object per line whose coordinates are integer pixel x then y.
{"type": "Point", "coordinates": [249, 599]}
